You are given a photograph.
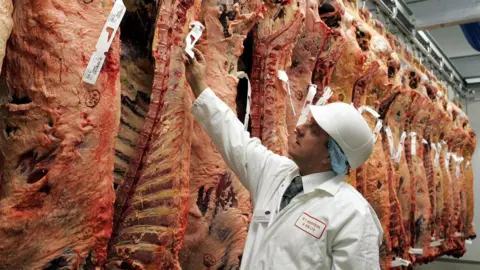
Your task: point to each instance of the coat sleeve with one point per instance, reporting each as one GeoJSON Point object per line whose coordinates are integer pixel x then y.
{"type": "Point", "coordinates": [245, 156]}
{"type": "Point", "coordinates": [356, 245]}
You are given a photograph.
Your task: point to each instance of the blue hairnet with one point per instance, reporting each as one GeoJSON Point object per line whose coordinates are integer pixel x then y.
{"type": "Point", "coordinates": [337, 157]}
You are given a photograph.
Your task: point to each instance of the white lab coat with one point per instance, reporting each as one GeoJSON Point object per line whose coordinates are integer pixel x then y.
{"type": "Point", "coordinates": [328, 226]}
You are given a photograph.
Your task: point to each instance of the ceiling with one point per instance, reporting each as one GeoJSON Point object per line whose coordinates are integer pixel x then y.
{"type": "Point", "coordinates": [442, 19]}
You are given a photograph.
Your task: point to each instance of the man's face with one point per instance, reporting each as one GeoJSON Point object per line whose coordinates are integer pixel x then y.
{"type": "Point", "coordinates": [310, 144]}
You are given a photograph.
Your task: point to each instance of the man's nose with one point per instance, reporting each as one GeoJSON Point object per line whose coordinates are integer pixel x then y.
{"type": "Point", "coordinates": [299, 130]}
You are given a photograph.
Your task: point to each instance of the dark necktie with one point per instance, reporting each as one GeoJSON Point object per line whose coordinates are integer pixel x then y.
{"type": "Point", "coordinates": [295, 187]}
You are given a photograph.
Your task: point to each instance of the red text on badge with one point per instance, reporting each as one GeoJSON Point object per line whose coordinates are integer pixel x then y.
{"type": "Point", "coordinates": [311, 225]}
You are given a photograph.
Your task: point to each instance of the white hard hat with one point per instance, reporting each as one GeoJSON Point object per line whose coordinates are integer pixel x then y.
{"type": "Point", "coordinates": [348, 128]}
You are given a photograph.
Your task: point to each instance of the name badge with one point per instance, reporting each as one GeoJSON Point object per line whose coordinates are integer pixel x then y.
{"type": "Point", "coordinates": [311, 225]}
{"type": "Point", "coordinates": [262, 216]}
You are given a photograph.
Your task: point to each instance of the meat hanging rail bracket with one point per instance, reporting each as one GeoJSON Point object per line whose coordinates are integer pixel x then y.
{"type": "Point", "coordinates": [104, 41]}
{"type": "Point", "coordinates": [193, 37]}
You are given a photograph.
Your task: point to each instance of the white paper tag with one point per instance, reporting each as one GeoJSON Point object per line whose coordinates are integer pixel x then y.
{"type": "Point", "coordinates": [401, 144]}
{"type": "Point", "coordinates": [413, 142]}
{"type": "Point", "coordinates": [415, 251]}
{"type": "Point", "coordinates": [310, 225]}
{"type": "Point", "coordinates": [103, 43]}
{"type": "Point", "coordinates": [369, 109]}
{"type": "Point", "coordinates": [388, 131]}
{"type": "Point", "coordinates": [467, 164]}
{"type": "Point", "coordinates": [312, 90]}
{"type": "Point", "coordinates": [468, 242]}
{"type": "Point", "coordinates": [262, 216]}
{"type": "Point", "coordinates": [94, 67]}
{"type": "Point", "coordinates": [327, 94]}
{"type": "Point", "coordinates": [193, 37]}
{"type": "Point", "coordinates": [436, 243]}
{"type": "Point", "coordinates": [377, 129]}
{"type": "Point", "coordinates": [397, 262]}
{"type": "Point", "coordinates": [282, 76]}
{"type": "Point", "coordinates": [424, 141]}
{"type": "Point", "coordinates": [243, 75]}
{"type": "Point", "coordinates": [458, 234]}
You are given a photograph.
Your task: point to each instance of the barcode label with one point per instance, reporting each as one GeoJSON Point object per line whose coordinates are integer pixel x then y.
{"type": "Point", "coordinates": [94, 67]}
{"type": "Point", "coordinates": [117, 13]}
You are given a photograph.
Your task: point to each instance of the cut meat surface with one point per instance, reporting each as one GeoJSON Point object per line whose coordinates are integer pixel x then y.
{"type": "Point", "coordinates": [274, 40]}
{"type": "Point", "coordinates": [56, 184]}
{"type": "Point", "coordinates": [219, 205]}
{"type": "Point", "coordinates": [151, 205]}
{"type": "Point", "coordinates": [6, 9]}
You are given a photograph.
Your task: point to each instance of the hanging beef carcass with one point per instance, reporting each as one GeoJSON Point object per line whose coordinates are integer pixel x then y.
{"type": "Point", "coordinates": [395, 134]}
{"type": "Point", "coordinates": [274, 39]}
{"type": "Point", "coordinates": [419, 113]}
{"type": "Point", "coordinates": [370, 90]}
{"type": "Point", "coordinates": [56, 184]}
{"type": "Point", "coordinates": [433, 173]}
{"type": "Point", "coordinates": [458, 137]}
{"type": "Point", "coordinates": [219, 204]}
{"type": "Point", "coordinates": [151, 205]}
{"type": "Point", "coordinates": [6, 9]}
{"type": "Point", "coordinates": [444, 161]}
{"type": "Point", "coordinates": [350, 64]}
{"type": "Point", "coordinates": [468, 175]}
{"type": "Point", "coordinates": [312, 42]}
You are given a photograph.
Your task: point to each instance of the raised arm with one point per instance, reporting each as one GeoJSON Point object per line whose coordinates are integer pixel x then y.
{"type": "Point", "coordinates": [245, 156]}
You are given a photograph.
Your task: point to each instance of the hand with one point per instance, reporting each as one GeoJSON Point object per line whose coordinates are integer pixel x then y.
{"type": "Point", "coordinates": [195, 72]}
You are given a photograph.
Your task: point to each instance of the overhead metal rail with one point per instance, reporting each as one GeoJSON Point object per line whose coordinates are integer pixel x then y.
{"type": "Point", "coordinates": [399, 19]}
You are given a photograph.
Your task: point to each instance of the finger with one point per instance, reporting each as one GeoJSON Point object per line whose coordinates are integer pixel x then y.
{"type": "Point", "coordinates": [198, 55]}
{"type": "Point", "coordinates": [186, 59]}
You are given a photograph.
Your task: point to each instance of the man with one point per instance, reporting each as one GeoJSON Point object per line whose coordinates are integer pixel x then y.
{"type": "Point", "coordinates": [304, 215]}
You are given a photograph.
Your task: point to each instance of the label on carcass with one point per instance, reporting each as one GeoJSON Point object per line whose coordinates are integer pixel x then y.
{"type": "Point", "coordinates": [243, 75]}
{"type": "Point", "coordinates": [377, 129]}
{"type": "Point", "coordinates": [413, 143]}
{"type": "Point", "coordinates": [436, 243]}
{"type": "Point", "coordinates": [327, 94]}
{"type": "Point", "coordinates": [104, 41]}
{"type": "Point", "coordinates": [458, 234]}
{"type": "Point", "coordinates": [193, 37]}
{"type": "Point", "coordinates": [415, 251]}
{"type": "Point", "coordinates": [282, 76]}
{"type": "Point", "coordinates": [400, 147]}
{"type": "Point", "coordinates": [424, 141]}
{"type": "Point", "coordinates": [312, 90]}
{"type": "Point", "coordinates": [397, 262]}
{"type": "Point", "coordinates": [369, 109]}
{"type": "Point", "coordinates": [94, 67]}
{"type": "Point", "coordinates": [468, 242]}
{"type": "Point", "coordinates": [388, 131]}
{"type": "Point", "coordinates": [467, 164]}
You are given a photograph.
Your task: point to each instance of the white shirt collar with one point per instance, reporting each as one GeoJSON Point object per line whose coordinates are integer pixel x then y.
{"type": "Point", "coordinates": [317, 181]}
